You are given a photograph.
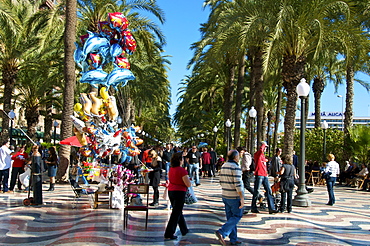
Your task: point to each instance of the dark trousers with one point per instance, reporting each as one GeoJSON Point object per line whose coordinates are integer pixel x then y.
{"type": "Point", "coordinates": [211, 171]}
{"type": "Point", "coordinates": [247, 181]}
{"type": "Point", "coordinates": [4, 178]}
{"type": "Point", "coordinates": [287, 195]}
{"type": "Point", "coordinates": [13, 179]}
{"type": "Point", "coordinates": [177, 199]}
{"type": "Point", "coordinates": [156, 194]}
{"type": "Point", "coordinates": [37, 188]}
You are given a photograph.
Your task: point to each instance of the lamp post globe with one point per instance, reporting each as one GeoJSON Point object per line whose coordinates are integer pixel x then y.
{"type": "Point", "coordinates": [215, 129]}
{"type": "Point", "coordinates": [228, 125]}
{"type": "Point", "coordinates": [55, 124]}
{"type": "Point", "coordinates": [252, 115]}
{"type": "Point", "coordinates": [324, 126]}
{"type": "Point", "coordinates": [302, 199]}
{"type": "Point", "coordinates": [12, 116]}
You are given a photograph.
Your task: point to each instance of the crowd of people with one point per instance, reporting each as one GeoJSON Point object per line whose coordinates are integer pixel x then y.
{"type": "Point", "coordinates": [182, 167]}
{"type": "Point", "coordinates": [15, 162]}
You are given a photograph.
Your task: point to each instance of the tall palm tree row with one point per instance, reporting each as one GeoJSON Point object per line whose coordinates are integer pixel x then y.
{"type": "Point", "coordinates": [286, 36]}
{"type": "Point", "coordinates": [24, 31]}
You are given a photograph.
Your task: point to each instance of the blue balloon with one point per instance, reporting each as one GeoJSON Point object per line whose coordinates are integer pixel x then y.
{"type": "Point", "coordinates": [115, 50]}
{"type": "Point", "coordinates": [119, 75]}
{"type": "Point", "coordinates": [94, 44]}
{"type": "Point", "coordinates": [93, 77]}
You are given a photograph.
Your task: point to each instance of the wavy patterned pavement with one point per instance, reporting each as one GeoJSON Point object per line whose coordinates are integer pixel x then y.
{"type": "Point", "coordinates": [58, 223]}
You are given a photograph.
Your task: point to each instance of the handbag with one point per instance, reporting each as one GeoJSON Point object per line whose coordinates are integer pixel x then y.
{"type": "Point", "coordinates": [326, 175]}
{"type": "Point", "coordinates": [190, 197]}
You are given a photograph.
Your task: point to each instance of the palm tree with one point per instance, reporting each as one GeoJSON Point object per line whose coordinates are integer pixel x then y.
{"type": "Point", "coordinates": [296, 37]}
{"type": "Point", "coordinates": [69, 88]}
{"type": "Point", "coordinates": [23, 30]}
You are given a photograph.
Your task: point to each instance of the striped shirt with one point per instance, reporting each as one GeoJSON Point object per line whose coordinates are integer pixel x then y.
{"type": "Point", "coordinates": [231, 180]}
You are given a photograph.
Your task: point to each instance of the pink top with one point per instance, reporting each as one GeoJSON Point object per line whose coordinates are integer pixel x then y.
{"type": "Point", "coordinates": [175, 177]}
{"type": "Point", "coordinates": [206, 158]}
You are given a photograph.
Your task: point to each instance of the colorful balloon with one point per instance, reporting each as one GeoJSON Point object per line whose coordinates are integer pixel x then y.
{"type": "Point", "coordinates": [94, 77]}
{"type": "Point", "coordinates": [119, 76]}
{"type": "Point", "coordinates": [117, 21]}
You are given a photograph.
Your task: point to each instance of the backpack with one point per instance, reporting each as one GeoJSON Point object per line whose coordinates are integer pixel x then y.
{"type": "Point", "coordinates": [252, 167]}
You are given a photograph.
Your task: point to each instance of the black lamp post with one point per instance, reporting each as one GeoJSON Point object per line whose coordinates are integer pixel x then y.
{"type": "Point", "coordinates": [55, 124]}
{"type": "Point", "coordinates": [252, 115]}
{"type": "Point", "coordinates": [215, 129]}
{"type": "Point", "coordinates": [302, 199]}
{"type": "Point", "coordinates": [12, 117]}
{"type": "Point", "coordinates": [324, 126]}
{"type": "Point", "coordinates": [228, 125]}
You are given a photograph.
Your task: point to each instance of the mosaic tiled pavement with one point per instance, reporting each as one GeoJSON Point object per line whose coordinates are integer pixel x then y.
{"type": "Point", "coordinates": [58, 223]}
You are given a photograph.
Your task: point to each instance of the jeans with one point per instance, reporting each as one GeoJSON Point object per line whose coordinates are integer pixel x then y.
{"type": "Point", "coordinates": [4, 177]}
{"type": "Point", "coordinates": [330, 187]}
{"type": "Point", "coordinates": [266, 185]}
{"type": "Point", "coordinates": [177, 199]}
{"type": "Point", "coordinates": [233, 216]}
{"type": "Point", "coordinates": [194, 167]}
{"type": "Point", "coordinates": [167, 166]}
{"type": "Point", "coordinates": [13, 179]}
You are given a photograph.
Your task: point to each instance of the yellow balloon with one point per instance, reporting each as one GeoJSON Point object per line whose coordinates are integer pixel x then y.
{"type": "Point", "coordinates": [104, 93]}
{"type": "Point", "coordinates": [77, 107]}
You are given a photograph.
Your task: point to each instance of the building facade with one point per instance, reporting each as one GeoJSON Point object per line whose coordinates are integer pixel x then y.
{"type": "Point", "coordinates": [334, 120]}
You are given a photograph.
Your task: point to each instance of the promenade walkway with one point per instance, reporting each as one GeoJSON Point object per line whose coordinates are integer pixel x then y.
{"type": "Point", "coordinates": [57, 223]}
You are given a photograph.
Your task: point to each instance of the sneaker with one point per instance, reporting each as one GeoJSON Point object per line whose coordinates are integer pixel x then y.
{"type": "Point", "coordinates": [255, 211]}
{"type": "Point", "coordinates": [273, 212]}
{"type": "Point", "coordinates": [153, 204]}
{"type": "Point", "coordinates": [220, 238]}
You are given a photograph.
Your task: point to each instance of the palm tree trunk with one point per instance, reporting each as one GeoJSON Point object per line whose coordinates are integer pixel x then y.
{"type": "Point", "coordinates": [348, 113]}
{"type": "Point", "coordinates": [9, 79]}
{"type": "Point", "coordinates": [228, 98]}
{"type": "Point", "coordinates": [292, 73]}
{"type": "Point", "coordinates": [277, 116]}
{"type": "Point", "coordinates": [259, 83]}
{"type": "Point", "coordinates": [69, 88]}
{"type": "Point", "coordinates": [317, 88]}
{"type": "Point", "coordinates": [48, 122]}
{"type": "Point", "coordinates": [238, 100]}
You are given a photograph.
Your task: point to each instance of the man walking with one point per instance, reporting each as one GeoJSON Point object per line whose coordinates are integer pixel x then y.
{"type": "Point", "coordinates": [246, 166]}
{"type": "Point", "coordinates": [233, 198]}
{"type": "Point", "coordinates": [166, 158]}
{"type": "Point", "coordinates": [261, 177]}
{"type": "Point", "coordinates": [195, 163]}
{"type": "Point", "coordinates": [5, 164]}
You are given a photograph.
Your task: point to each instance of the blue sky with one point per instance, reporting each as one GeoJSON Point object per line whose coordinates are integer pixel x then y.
{"type": "Point", "coordinates": [183, 19]}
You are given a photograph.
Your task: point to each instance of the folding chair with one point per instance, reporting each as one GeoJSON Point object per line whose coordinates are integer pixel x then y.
{"type": "Point", "coordinates": [78, 190]}
{"type": "Point", "coordinates": [315, 177]}
{"type": "Point", "coordinates": [136, 189]}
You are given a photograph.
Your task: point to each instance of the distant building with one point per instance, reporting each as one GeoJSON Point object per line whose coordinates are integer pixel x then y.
{"type": "Point", "coordinates": [334, 120]}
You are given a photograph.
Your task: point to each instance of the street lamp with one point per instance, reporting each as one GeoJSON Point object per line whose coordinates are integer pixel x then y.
{"type": "Point", "coordinates": [302, 199]}
{"type": "Point", "coordinates": [228, 125]}
{"type": "Point", "coordinates": [215, 129]}
{"type": "Point", "coordinates": [252, 115]}
{"type": "Point", "coordinates": [324, 126]}
{"type": "Point", "coordinates": [12, 117]}
{"type": "Point", "coordinates": [119, 120]}
{"type": "Point", "coordinates": [340, 96]}
{"type": "Point", "coordinates": [55, 124]}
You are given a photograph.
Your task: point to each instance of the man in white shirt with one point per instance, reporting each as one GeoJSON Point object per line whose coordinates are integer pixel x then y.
{"type": "Point", "coordinates": [5, 164]}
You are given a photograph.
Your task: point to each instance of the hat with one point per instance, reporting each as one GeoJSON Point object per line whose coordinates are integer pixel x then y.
{"type": "Point", "coordinates": [264, 143]}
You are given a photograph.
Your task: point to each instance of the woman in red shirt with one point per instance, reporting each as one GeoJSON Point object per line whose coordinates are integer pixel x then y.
{"type": "Point", "coordinates": [178, 182]}
{"type": "Point", "coordinates": [19, 160]}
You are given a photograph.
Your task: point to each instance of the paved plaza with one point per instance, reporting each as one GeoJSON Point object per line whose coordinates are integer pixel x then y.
{"type": "Point", "coordinates": [58, 223]}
